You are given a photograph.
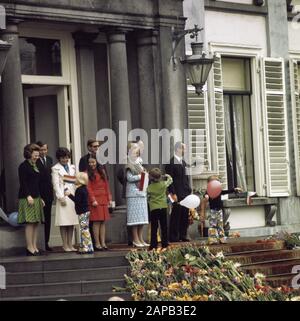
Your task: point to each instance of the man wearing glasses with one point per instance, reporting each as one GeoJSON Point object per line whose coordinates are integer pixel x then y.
{"type": "Point", "coordinates": [92, 146]}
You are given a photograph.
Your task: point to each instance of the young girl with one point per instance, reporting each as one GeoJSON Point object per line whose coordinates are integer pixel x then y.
{"type": "Point", "coordinates": [99, 200]}
{"type": "Point", "coordinates": [157, 199]}
{"type": "Point", "coordinates": [215, 218]}
{"type": "Point", "coordinates": [82, 210]}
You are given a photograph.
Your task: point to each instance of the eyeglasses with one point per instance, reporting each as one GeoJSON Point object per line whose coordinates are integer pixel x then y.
{"type": "Point", "coordinates": [95, 146]}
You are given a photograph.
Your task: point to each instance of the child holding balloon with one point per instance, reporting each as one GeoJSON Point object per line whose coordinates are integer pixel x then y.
{"type": "Point", "coordinates": [215, 218]}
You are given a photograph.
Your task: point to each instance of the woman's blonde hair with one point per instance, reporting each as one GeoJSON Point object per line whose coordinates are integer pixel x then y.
{"type": "Point", "coordinates": [82, 178]}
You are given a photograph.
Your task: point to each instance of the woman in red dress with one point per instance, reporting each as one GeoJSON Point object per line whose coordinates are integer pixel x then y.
{"type": "Point", "coordinates": [99, 200]}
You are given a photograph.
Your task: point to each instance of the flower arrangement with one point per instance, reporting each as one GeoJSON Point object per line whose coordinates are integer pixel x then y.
{"type": "Point", "coordinates": [195, 274]}
{"type": "Point", "coordinates": [292, 240]}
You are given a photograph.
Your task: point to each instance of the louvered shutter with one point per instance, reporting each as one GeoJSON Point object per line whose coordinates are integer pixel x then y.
{"type": "Point", "coordinates": [199, 130]}
{"type": "Point", "coordinates": [218, 103]}
{"type": "Point", "coordinates": [295, 88]}
{"type": "Point", "coordinates": [275, 127]}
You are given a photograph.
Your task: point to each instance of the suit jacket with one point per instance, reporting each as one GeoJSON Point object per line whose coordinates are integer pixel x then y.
{"type": "Point", "coordinates": [29, 181]}
{"type": "Point", "coordinates": [181, 185]}
{"type": "Point", "coordinates": [84, 162]}
{"type": "Point", "coordinates": [46, 188]}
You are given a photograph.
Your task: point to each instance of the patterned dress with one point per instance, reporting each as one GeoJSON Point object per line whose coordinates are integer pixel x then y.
{"type": "Point", "coordinates": [137, 207]}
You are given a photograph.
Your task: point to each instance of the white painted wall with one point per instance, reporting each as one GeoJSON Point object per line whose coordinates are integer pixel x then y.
{"type": "Point", "coordinates": [294, 36]}
{"type": "Point", "coordinates": [247, 217]}
{"type": "Point", "coordinates": [233, 28]}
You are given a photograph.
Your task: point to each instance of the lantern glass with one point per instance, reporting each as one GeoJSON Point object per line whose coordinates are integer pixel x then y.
{"type": "Point", "coordinates": [198, 66]}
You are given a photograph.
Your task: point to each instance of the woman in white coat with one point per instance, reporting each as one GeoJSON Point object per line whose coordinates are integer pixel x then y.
{"type": "Point", "coordinates": [63, 179]}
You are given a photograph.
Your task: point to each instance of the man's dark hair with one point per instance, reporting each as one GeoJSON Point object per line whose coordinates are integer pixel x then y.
{"type": "Point", "coordinates": [41, 144]}
{"type": "Point", "coordinates": [90, 142]}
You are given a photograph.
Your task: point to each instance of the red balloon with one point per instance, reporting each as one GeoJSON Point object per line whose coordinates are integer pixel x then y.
{"type": "Point", "coordinates": [214, 189]}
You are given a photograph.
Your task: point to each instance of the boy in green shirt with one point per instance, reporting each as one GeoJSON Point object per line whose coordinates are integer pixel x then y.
{"type": "Point", "coordinates": [157, 198]}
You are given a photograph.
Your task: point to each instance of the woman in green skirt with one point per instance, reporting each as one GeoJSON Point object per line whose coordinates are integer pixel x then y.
{"type": "Point", "coordinates": [30, 203]}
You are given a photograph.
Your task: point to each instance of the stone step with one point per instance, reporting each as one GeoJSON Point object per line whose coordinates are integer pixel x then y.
{"type": "Point", "coordinates": [271, 267]}
{"type": "Point", "coordinates": [61, 288]}
{"type": "Point", "coordinates": [280, 280]}
{"type": "Point", "coordinates": [256, 257]}
{"type": "Point", "coordinates": [101, 296]}
{"type": "Point", "coordinates": [242, 247]}
{"type": "Point", "coordinates": [68, 261]}
{"type": "Point", "coordinates": [107, 273]}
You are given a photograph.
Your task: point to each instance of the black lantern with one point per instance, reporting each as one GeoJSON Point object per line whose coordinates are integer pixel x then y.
{"type": "Point", "coordinates": [197, 65]}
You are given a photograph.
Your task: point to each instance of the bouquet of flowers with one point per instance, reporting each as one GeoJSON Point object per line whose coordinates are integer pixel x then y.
{"type": "Point", "coordinates": [193, 273]}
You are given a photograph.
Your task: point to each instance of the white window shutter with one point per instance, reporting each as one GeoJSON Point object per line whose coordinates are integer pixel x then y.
{"type": "Point", "coordinates": [275, 127]}
{"type": "Point", "coordinates": [218, 103]}
{"type": "Point", "coordinates": [295, 88]}
{"type": "Point", "coordinates": [199, 128]}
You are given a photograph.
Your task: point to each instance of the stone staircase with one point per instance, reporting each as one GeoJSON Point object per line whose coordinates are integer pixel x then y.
{"type": "Point", "coordinates": [73, 277]}
{"type": "Point", "coordinates": [66, 276]}
{"type": "Point", "coordinates": [271, 259]}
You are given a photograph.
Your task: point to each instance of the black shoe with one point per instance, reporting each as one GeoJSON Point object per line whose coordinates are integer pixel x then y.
{"type": "Point", "coordinates": [105, 248]}
{"type": "Point", "coordinates": [98, 249]}
{"type": "Point", "coordinates": [28, 253]}
{"type": "Point", "coordinates": [48, 248]}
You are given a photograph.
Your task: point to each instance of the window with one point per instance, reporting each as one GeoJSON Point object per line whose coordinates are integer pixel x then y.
{"type": "Point", "coordinates": [40, 56]}
{"type": "Point", "coordinates": [238, 123]}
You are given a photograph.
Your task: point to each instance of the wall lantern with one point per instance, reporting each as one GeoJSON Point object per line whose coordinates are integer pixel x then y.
{"type": "Point", "coordinates": [197, 65]}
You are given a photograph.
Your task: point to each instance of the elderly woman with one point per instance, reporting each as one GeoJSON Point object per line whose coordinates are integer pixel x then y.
{"type": "Point", "coordinates": [137, 208]}
{"type": "Point", "coordinates": [30, 202]}
{"type": "Point", "coordinates": [63, 179]}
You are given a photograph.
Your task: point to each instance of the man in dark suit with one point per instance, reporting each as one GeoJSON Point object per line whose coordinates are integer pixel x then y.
{"type": "Point", "coordinates": [92, 146]}
{"type": "Point", "coordinates": [180, 188]}
{"type": "Point", "coordinates": [44, 164]}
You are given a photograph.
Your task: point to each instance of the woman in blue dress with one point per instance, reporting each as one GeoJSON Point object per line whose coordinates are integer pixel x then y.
{"type": "Point", "coordinates": [137, 208]}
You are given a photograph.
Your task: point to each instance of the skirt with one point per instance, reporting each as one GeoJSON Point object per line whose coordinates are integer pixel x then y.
{"type": "Point", "coordinates": [99, 213]}
{"type": "Point", "coordinates": [137, 211]}
{"type": "Point", "coordinates": [30, 213]}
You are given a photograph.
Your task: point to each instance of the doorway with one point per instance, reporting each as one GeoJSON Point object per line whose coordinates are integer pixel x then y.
{"type": "Point", "coordinates": [47, 116]}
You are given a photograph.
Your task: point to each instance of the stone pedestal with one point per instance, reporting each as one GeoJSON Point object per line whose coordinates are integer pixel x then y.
{"type": "Point", "coordinates": [13, 117]}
